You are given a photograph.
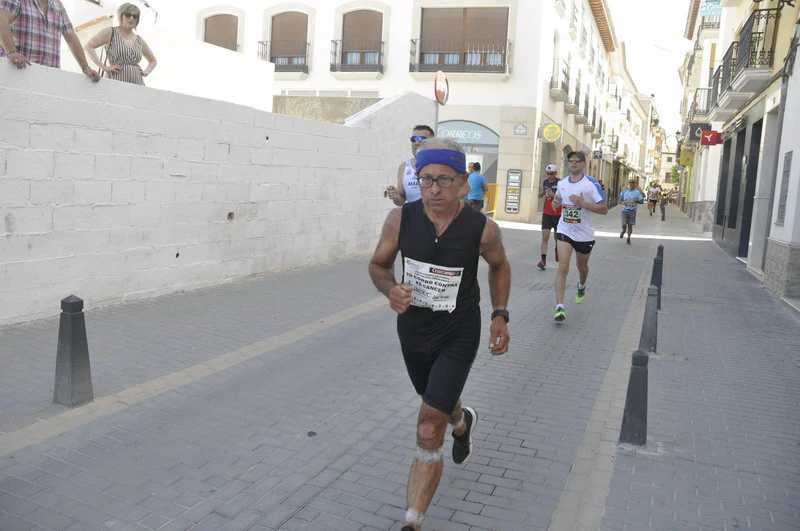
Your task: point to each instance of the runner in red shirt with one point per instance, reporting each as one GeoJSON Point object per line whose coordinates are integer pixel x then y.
{"type": "Point", "coordinates": [550, 215]}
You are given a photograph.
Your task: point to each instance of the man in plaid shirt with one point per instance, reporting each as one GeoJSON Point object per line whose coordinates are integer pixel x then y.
{"type": "Point", "coordinates": [31, 30]}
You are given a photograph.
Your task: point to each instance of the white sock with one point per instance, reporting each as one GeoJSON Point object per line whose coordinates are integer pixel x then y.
{"type": "Point", "coordinates": [559, 306]}
{"type": "Point", "coordinates": [581, 287]}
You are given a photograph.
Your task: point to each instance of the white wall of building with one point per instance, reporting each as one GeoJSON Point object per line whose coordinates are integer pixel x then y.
{"type": "Point", "coordinates": [789, 231]}
{"type": "Point", "coordinates": [114, 191]}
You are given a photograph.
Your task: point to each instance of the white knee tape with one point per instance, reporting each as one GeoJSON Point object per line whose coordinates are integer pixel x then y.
{"type": "Point", "coordinates": [429, 456]}
{"type": "Point", "coordinates": [413, 516]}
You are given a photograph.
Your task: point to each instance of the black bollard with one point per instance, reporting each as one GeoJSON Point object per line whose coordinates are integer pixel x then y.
{"type": "Point", "coordinates": [648, 340]}
{"type": "Point", "coordinates": [660, 252]}
{"type": "Point", "coordinates": [657, 276]}
{"type": "Point", "coordinates": [634, 418]}
{"type": "Point", "coordinates": [73, 385]}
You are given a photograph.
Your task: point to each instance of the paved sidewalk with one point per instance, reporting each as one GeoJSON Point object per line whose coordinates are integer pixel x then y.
{"type": "Point", "coordinates": [282, 402]}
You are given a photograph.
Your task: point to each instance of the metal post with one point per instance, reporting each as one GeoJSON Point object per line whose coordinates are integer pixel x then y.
{"type": "Point", "coordinates": [658, 273]}
{"type": "Point", "coordinates": [73, 383]}
{"type": "Point", "coordinates": [634, 418]}
{"type": "Point", "coordinates": [648, 340]}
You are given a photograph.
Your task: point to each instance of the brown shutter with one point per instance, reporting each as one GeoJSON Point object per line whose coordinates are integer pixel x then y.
{"type": "Point", "coordinates": [487, 23]}
{"type": "Point", "coordinates": [442, 30]}
{"type": "Point", "coordinates": [223, 31]}
{"type": "Point", "coordinates": [288, 35]}
{"type": "Point", "coordinates": [364, 26]}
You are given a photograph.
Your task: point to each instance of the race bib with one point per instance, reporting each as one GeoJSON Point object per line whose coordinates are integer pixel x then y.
{"type": "Point", "coordinates": [630, 203]}
{"type": "Point", "coordinates": [571, 214]}
{"type": "Point", "coordinates": [432, 286]}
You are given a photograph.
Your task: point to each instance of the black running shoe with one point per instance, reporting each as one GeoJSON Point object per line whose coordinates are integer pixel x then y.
{"type": "Point", "coordinates": [622, 234]}
{"type": "Point", "coordinates": [541, 265]}
{"type": "Point", "coordinates": [462, 444]}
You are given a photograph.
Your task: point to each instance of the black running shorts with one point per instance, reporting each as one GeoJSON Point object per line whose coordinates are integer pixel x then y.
{"type": "Point", "coordinates": [439, 355]}
{"type": "Point", "coordinates": [580, 247]}
{"type": "Point", "coordinates": [550, 221]}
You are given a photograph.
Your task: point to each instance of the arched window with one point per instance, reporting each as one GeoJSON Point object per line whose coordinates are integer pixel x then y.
{"type": "Point", "coordinates": [362, 31]}
{"type": "Point", "coordinates": [288, 47]}
{"type": "Point", "coordinates": [222, 30]}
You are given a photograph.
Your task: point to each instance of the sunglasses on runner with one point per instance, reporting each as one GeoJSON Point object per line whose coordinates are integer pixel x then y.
{"type": "Point", "coordinates": [575, 160]}
{"type": "Point", "coordinates": [134, 16]}
{"type": "Point", "coordinates": [418, 138]}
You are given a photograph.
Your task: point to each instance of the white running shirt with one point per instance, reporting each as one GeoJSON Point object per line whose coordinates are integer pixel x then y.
{"type": "Point", "coordinates": [577, 222]}
{"type": "Point", "coordinates": [410, 183]}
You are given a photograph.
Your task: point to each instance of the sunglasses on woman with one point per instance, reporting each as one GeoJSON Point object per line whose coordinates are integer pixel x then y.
{"type": "Point", "coordinates": [134, 16]}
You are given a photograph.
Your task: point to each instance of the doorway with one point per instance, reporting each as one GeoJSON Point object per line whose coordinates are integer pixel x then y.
{"type": "Point", "coordinates": [750, 176]}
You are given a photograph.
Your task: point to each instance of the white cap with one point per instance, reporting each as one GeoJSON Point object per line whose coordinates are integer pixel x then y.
{"type": "Point", "coordinates": [551, 168]}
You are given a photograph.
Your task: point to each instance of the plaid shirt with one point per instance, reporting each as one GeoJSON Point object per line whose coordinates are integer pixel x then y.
{"type": "Point", "coordinates": [37, 38]}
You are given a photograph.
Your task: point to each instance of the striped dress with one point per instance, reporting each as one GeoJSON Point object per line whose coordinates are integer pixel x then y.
{"type": "Point", "coordinates": [119, 53]}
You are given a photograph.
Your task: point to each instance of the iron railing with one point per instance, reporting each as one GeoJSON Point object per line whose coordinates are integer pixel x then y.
{"type": "Point", "coordinates": [724, 73]}
{"type": "Point", "coordinates": [357, 56]}
{"type": "Point", "coordinates": [288, 56]}
{"type": "Point", "coordinates": [701, 103]}
{"type": "Point", "coordinates": [468, 55]}
{"type": "Point", "coordinates": [560, 79]}
{"type": "Point", "coordinates": [710, 22]}
{"type": "Point", "coordinates": [715, 84]}
{"type": "Point", "coordinates": [585, 111]}
{"type": "Point", "coordinates": [757, 40]}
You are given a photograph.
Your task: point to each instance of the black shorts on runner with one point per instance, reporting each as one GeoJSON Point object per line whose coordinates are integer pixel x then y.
{"type": "Point", "coordinates": [580, 247]}
{"type": "Point", "coordinates": [549, 221]}
{"type": "Point", "coordinates": [652, 201]}
{"type": "Point", "coordinates": [439, 355]}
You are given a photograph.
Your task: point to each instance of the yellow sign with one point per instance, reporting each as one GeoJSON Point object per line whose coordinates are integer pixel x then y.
{"type": "Point", "coordinates": [687, 158]}
{"type": "Point", "coordinates": [552, 132]}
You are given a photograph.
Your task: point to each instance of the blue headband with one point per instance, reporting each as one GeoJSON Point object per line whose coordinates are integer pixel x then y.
{"type": "Point", "coordinates": [446, 157]}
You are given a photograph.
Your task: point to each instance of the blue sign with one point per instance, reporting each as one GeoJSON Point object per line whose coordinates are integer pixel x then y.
{"type": "Point", "coordinates": [710, 9]}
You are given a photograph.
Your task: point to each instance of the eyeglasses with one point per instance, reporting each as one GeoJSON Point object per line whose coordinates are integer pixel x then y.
{"type": "Point", "coordinates": [575, 160]}
{"type": "Point", "coordinates": [427, 181]}
{"type": "Point", "coordinates": [418, 138]}
{"type": "Point", "coordinates": [134, 16]}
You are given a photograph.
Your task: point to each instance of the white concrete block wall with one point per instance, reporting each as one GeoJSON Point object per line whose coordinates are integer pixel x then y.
{"type": "Point", "coordinates": [113, 191]}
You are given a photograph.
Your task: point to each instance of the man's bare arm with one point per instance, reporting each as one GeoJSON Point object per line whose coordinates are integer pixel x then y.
{"type": "Point", "coordinates": [382, 262]}
{"type": "Point", "coordinates": [494, 253]}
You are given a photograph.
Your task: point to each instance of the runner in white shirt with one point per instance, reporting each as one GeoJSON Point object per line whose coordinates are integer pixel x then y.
{"type": "Point", "coordinates": [407, 189]}
{"type": "Point", "coordinates": [581, 198]}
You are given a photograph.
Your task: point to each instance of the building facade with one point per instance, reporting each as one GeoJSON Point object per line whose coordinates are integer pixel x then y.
{"type": "Point", "coordinates": [528, 81]}
{"type": "Point", "coordinates": [733, 84]}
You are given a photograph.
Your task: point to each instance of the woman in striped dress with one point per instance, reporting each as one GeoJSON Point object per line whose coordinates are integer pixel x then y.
{"type": "Point", "coordinates": [124, 49]}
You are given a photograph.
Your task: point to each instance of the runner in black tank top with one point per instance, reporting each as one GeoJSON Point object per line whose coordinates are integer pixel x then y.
{"type": "Point", "coordinates": [438, 303]}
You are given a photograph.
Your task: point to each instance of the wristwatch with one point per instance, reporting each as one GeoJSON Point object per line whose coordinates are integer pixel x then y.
{"type": "Point", "coordinates": [500, 313]}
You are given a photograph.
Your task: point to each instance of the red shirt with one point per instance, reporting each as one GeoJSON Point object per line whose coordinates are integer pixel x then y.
{"type": "Point", "coordinates": [548, 202]}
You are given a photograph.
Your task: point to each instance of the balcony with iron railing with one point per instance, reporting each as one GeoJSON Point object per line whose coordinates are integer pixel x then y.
{"type": "Point", "coordinates": [573, 24]}
{"type": "Point", "coordinates": [559, 83]}
{"type": "Point", "coordinates": [591, 125]}
{"type": "Point", "coordinates": [561, 7]}
{"type": "Point", "coordinates": [573, 105]}
{"type": "Point", "coordinates": [584, 43]}
{"type": "Point", "coordinates": [469, 56]}
{"type": "Point", "coordinates": [710, 22]}
{"type": "Point", "coordinates": [583, 115]}
{"type": "Point", "coordinates": [701, 103]}
{"type": "Point", "coordinates": [756, 51]}
{"type": "Point", "coordinates": [288, 56]}
{"type": "Point", "coordinates": [357, 57]}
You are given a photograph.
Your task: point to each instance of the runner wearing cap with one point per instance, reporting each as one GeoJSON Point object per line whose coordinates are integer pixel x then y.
{"type": "Point", "coordinates": [581, 198]}
{"type": "Point", "coordinates": [550, 215]}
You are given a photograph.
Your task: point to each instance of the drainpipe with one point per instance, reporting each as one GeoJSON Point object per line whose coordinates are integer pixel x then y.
{"type": "Point", "coordinates": [788, 68]}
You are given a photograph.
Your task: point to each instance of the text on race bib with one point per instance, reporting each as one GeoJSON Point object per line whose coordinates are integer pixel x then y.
{"type": "Point", "coordinates": [630, 203]}
{"type": "Point", "coordinates": [432, 286]}
{"type": "Point", "coordinates": [571, 214]}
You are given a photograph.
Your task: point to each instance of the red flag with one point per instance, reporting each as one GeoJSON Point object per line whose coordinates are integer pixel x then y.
{"type": "Point", "coordinates": [710, 138]}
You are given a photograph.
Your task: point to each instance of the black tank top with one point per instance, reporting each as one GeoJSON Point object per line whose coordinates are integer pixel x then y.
{"type": "Point", "coordinates": [458, 246]}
